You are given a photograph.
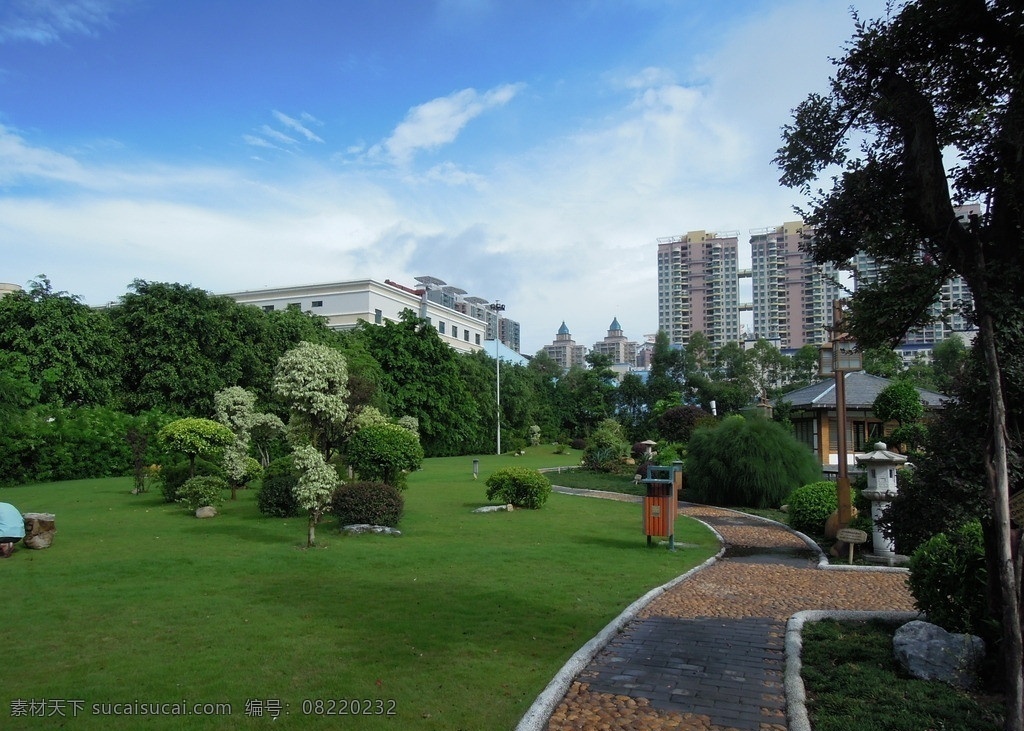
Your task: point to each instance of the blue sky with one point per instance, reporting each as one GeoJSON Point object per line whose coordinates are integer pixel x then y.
{"type": "Point", "coordinates": [531, 152]}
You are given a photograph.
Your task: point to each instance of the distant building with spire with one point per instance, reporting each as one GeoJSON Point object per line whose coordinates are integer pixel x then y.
{"type": "Point", "coordinates": [617, 346]}
{"type": "Point", "coordinates": [564, 349]}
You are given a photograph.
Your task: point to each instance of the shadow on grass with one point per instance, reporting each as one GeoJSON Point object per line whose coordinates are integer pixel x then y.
{"type": "Point", "coordinates": [596, 540]}
{"type": "Point", "coordinates": [252, 531]}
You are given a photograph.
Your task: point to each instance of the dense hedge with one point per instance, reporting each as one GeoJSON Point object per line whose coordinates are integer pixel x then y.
{"type": "Point", "coordinates": [276, 496]}
{"type": "Point", "coordinates": [45, 444]}
{"type": "Point", "coordinates": [375, 503]}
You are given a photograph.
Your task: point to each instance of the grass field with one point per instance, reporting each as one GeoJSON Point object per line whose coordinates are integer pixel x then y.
{"type": "Point", "coordinates": [458, 624]}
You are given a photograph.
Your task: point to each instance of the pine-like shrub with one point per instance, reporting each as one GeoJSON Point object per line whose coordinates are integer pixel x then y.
{"type": "Point", "coordinates": [948, 579]}
{"type": "Point", "coordinates": [198, 492]}
{"type": "Point", "coordinates": [276, 497]}
{"type": "Point", "coordinates": [811, 505]}
{"type": "Point", "coordinates": [376, 503]}
{"type": "Point", "coordinates": [752, 463]}
{"type": "Point", "coordinates": [520, 486]}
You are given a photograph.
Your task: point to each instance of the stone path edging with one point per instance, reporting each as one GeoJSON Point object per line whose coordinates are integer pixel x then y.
{"type": "Point", "coordinates": [796, 694]}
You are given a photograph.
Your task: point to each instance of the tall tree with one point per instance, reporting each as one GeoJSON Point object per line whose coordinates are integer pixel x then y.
{"type": "Point", "coordinates": [69, 348]}
{"type": "Point", "coordinates": [420, 378]}
{"type": "Point", "coordinates": [937, 77]}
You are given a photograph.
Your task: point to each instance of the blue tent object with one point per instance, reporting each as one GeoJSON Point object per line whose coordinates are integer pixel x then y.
{"type": "Point", "coordinates": [12, 525]}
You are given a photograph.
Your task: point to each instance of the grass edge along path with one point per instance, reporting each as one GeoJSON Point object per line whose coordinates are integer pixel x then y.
{"type": "Point", "coordinates": [139, 611]}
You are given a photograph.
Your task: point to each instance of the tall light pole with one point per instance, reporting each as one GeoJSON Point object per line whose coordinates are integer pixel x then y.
{"type": "Point", "coordinates": [497, 307]}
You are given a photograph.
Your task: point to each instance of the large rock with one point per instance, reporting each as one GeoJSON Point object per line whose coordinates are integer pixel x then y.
{"type": "Point", "coordinates": [928, 652]}
{"type": "Point", "coordinates": [207, 511]}
{"type": "Point", "coordinates": [39, 529]}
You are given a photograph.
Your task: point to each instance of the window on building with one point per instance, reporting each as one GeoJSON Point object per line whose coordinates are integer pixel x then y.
{"type": "Point", "coordinates": [317, 303]}
{"type": "Point", "coordinates": [440, 326]}
{"type": "Point", "coordinates": [378, 317]}
{"type": "Point", "coordinates": [478, 338]}
{"type": "Point", "coordinates": [268, 308]}
{"type": "Point", "coordinates": [465, 335]}
{"type": "Point", "coordinates": [455, 331]}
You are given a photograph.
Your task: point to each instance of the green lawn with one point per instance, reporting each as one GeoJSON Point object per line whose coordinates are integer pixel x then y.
{"type": "Point", "coordinates": [854, 684]}
{"type": "Point", "coordinates": [460, 622]}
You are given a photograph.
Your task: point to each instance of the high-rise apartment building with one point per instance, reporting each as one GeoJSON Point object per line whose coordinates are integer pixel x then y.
{"type": "Point", "coordinates": [698, 287]}
{"type": "Point", "coordinates": [792, 296]}
{"type": "Point", "coordinates": [948, 310]}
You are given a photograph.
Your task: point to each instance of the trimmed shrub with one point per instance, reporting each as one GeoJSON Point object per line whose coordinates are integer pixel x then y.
{"type": "Point", "coordinates": [200, 491]}
{"type": "Point", "coordinates": [384, 452]}
{"type": "Point", "coordinates": [811, 505]}
{"type": "Point", "coordinates": [753, 463]}
{"type": "Point", "coordinates": [173, 476]}
{"type": "Point", "coordinates": [578, 443]}
{"type": "Point", "coordinates": [276, 497]}
{"type": "Point", "coordinates": [520, 486]}
{"type": "Point", "coordinates": [376, 503]}
{"type": "Point", "coordinates": [948, 579]}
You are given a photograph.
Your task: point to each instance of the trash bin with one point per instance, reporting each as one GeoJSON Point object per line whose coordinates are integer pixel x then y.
{"type": "Point", "coordinates": [662, 501]}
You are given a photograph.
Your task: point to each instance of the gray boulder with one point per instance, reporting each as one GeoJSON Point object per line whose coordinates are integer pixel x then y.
{"type": "Point", "coordinates": [207, 511]}
{"type": "Point", "coordinates": [360, 528]}
{"type": "Point", "coordinates": [928, 652]}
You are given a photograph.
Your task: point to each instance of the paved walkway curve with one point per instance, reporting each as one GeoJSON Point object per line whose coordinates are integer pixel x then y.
{"type": "Point", "coordinates": [708, 653]}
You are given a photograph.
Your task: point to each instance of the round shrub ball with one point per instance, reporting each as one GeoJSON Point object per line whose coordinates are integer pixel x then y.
{"type": "Point", "coordinates": [811, 505]}
{"type": "Point", "coordinates": [199, 492]}
{"type": "Point", "coordinates": [375, 503]}
{"type": "Point", "coordinates": [519, 486]}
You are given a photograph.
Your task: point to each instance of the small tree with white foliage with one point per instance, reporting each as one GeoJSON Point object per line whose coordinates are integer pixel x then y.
{"type": "Point", "coordinates": [316, 484]}
{"type": "Point", "coordinates": [313, 380]}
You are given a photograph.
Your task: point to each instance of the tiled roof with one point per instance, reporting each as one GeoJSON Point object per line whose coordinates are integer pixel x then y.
{"type": "Point", "coordinates": [861, 391]}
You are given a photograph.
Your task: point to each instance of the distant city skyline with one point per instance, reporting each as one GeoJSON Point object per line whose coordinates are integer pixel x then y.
{"type": "Point", "coordinates": [530, 152]}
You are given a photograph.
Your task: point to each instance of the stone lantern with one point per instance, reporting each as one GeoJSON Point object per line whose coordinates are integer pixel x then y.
{"type": "Point", "coordinates": [881, 466]}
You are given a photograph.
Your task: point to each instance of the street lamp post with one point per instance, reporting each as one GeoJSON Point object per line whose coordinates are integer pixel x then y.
{"type": "Point", "coordinates": [497, 307]}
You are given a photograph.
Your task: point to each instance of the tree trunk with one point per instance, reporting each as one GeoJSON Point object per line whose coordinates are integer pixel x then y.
{"type": "Point", "coordinates": [999, 486]}
{"type": "Point", "coordinates": [311, 534]}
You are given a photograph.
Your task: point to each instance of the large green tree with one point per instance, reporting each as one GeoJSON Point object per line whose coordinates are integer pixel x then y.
{"type": "Point", "coordinates": [926, 111]}
{"type": "Point", "coordinates": [420, 378]}
{"type": "Point", "coordinates": [69, 349]}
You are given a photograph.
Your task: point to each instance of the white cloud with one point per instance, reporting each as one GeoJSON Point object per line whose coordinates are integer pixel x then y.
{"type": "Point", "coordinates": [298, 126]}
{"type": "Point", "coordinates": [20, 161]}
{"type": "Point", "coordinates": [47, 21]}
{"type": "Point", "coordinates": [439, 121]}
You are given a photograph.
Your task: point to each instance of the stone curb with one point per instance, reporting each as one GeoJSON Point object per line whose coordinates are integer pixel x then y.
{"type": "Point", "coordinates": [796, 694]}
{"type": "Point", "coordinates": [537, 716]}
